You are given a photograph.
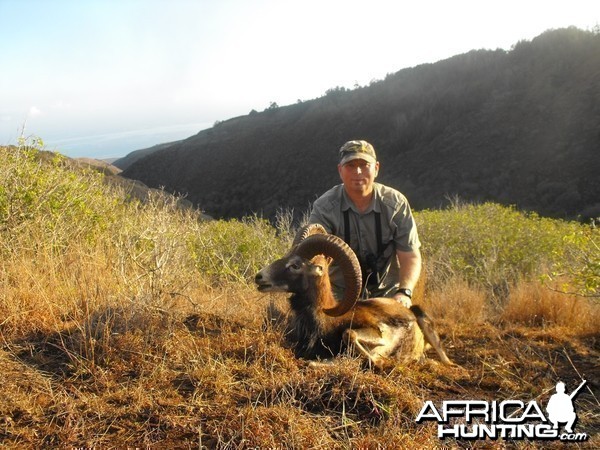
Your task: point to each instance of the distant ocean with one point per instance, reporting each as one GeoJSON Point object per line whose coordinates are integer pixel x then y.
{"type": "Point", "coordinates": [116, 145]}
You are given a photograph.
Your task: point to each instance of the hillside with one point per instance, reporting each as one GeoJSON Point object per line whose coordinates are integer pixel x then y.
{"type": "Point", "coordinates": [129, 324]}
{"type": "Point", "coordinates": [517, 127]}
{"type": "Point", "coordinates": [133, 189]}
{"type": "Point", "coordinates": [129, 159]}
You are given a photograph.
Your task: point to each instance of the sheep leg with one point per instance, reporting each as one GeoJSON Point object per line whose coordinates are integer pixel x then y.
{"type": "Point", "coordinates": [431, 336]}
{"type": "Point", "coordinates": [373, 344]}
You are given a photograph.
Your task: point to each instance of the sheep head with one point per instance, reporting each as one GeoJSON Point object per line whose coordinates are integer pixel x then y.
{"type": "Point", "coordinates": [301, 268]}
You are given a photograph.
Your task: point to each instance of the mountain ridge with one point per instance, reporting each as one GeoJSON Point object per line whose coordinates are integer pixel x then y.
{"type": "Point", "coordinates": [516, 127]}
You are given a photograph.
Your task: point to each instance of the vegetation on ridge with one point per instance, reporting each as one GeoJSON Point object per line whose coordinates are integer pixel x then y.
{"type": "Point", "coordinates": [516, 127]}
{"type": "Point", "coordinates": [127, 324]}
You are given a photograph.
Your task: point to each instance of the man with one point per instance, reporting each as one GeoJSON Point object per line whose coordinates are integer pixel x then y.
{"type": "Point", "coordinates": [377, 223]}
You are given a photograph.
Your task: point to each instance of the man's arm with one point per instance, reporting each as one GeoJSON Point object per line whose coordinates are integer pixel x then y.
{"type": "Point", "coordinates": [410, 271]}
{"type": "Point", "coordinates": [317, 216]}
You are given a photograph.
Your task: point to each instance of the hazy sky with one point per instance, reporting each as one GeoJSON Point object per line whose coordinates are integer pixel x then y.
{"type": "Point", "coordinates": [102, 78]}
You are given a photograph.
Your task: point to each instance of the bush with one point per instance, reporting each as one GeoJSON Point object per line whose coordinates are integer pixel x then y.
{"type": "Point", "coordinates": [41, 194]}
{"type": "Point", "coordinates": [234, 251]}
{"type": "Point", "coordinates": [496, 246]}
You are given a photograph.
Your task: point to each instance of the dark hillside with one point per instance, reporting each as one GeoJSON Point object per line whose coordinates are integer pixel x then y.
{"type": "Point", "coordinates": [519, 127]}
{"type": "Point", "coordinates": [129, 159]}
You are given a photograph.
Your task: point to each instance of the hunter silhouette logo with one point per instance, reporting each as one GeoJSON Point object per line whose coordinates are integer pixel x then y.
{"type": "Point", "coordinates": [507, 419]}
{"type": "Point", "coordinates": [560, 407]}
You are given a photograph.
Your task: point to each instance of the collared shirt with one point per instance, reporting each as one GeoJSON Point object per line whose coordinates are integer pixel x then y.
{"type": "Point", "coordinates": [398, 228]}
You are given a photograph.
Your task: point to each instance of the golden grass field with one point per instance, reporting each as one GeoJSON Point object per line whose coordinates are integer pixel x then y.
{"type": "Point", "coordinates": [136, 325]}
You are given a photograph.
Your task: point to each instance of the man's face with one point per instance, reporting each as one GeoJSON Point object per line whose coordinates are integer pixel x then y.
{"type": "Point", "coordinates": [358, 176]}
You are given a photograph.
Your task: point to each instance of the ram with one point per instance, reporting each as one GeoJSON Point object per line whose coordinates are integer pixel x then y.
{"type": "Point", "coordinates": [379, 329]}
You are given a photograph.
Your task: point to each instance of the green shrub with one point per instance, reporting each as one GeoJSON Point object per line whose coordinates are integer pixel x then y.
{"type": "Point", "coordinates": [495, 246]}
{"type": "Point", "coordinates": [235, 250]}
{"type": "Point", "coordinates": [42, 197]}
{"type": "Point", "coordinates": [581, 263]}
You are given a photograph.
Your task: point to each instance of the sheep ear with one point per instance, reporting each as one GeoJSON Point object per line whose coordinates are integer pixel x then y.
{"type": "Point", "coordinates": [316, 270]}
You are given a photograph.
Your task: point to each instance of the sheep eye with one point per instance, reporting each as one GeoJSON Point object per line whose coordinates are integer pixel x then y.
{"type": "Point", "coordinates": [295, 266]}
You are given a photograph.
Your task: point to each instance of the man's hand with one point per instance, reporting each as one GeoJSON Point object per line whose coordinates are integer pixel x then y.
{"type": "Point", "coordinates": [403, 299]}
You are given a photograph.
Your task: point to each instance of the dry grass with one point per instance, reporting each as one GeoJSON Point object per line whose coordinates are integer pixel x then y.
{"type": "Point", "coordinates": [121, 332]}
{"type": "Point", "coordinates": [216, 374]}
{"type": "Point", "coordinates": [536, 305]}
{"type": "Point", "coordinates": [458, 302]}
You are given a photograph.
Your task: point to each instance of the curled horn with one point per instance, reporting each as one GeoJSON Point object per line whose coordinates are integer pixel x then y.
{"type": "Point", "coordinates": [308, 230]}
{"type": "Point", "coordinates": [334, 247]}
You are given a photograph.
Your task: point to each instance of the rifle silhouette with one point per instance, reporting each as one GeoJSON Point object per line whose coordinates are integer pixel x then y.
{"type": "Point", "coordinates": [574, 393]}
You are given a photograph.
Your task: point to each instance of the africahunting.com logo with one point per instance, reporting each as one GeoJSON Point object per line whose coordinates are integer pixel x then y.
{"type": "Point", "coordinates": [508, 419]}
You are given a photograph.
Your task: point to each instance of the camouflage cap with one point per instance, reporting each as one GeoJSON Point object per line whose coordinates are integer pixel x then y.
{"type": "Point", "coordinates": [357, 150]}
